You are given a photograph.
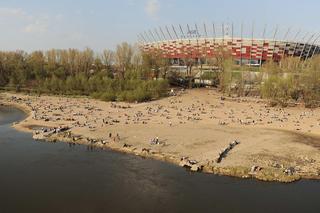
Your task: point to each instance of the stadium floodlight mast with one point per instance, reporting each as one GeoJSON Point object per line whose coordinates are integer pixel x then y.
{"type": "Point", "coordinates": [189, 31]}
{"type": "Point", "coordinates": [177, 37]}
{"type": "Point", "coordinates": [252, 35]}
{"type": "Point", "coordinates": [155, 40]}
{"type": "Point", "coordinates": [296, 35]}
{"type": "Point", "coordinates": [241, 43]}
{"type": "Point", "coordinates": [316, 46]}
{"type": "Point", "coordinates": [197, 31]}
{"type": "Point", "coordinates": [196, 35]}
{"type": "Point", "coordinates": [286, 42]}
{"type": "Point", "coordinates": [305, 44]}
{"type": "Point", "coordinates": [147, 37]}
{"type": "Point", "coordinates": [222, 29]}
{"type": "Point", "coordinates": [143, 39]}
{"type": "Point", "coordinates": [205, 30]}
{"type": "Point", "coordinates": [232, 32]}
{"type": "Point", "coordinates": [312, 45]}
{"type": "Point", "coordinates": [295, 39]}
{"type": "Point", "coordinates": [152, 36]}
{"type": "Point", "coordinates": [175, 32]}
{"type": "Point", "coordinates": [140, 40]}
{"type": "Point", "coordinates": [213, 30]}
{"type": "Point", "coordinates": [157, 33]}
{"type": "Point", "coordinates": [274, 40]}
{"type": "Point", "coordinates": [182, 33]}
{"type": "Point", "coordinates": [205, 39]}
{"type": "Point", "coordinates": [167, 29]}
{"type": "Point", "coordinates": [214, 37]}
{"type": "Point", "coordinates": [301, 42]}
{"type": "Point", "coordinates": [188, 34]}
{"type": "Point", "coordinates": [286, 34]}
{"type": "Point", "coordinates": [232, 35]}
{"type": "Point", "coordinates": [263, 41]}
{"type": "Point", "coordinates": [163, 35]}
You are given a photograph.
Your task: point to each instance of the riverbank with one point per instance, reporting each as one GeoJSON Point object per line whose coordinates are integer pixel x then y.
{"type": "Point", "coordinates": [193, 129]}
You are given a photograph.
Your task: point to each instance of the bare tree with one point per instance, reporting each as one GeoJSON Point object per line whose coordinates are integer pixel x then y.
{"type": "Point", "coordinates": [123, 57]}
{"type": "Point", "coordinates": [108, 57]}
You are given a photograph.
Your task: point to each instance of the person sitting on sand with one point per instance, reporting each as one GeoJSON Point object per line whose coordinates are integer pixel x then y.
{"type": "Point", "coordinates": [154, 141]}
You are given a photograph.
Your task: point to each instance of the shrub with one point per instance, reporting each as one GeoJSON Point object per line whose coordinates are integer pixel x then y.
{"type": "Point", "coordinates": [278, 88]}
{"type": "Point", "coordinates": [108, 96]}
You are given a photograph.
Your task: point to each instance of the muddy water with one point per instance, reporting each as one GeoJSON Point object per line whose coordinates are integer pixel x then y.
{"type": "Point", "coordinates": [54, 177]}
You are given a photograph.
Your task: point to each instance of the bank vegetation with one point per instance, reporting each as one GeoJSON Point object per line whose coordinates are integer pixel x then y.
{"type": "Point", "coordinates": [125, 74]}
{"type": "Point", "coordinates": [292, 80]}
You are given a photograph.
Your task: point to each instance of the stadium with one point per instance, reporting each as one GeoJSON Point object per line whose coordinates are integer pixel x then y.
{"type": "Point", "coordinates": [199, 44]}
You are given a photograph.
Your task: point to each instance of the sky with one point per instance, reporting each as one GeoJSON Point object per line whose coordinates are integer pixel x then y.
{"type": "Point", "coordinates": [102, 24]}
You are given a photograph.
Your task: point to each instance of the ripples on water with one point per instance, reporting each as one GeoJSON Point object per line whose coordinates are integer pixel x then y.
{"type": "Point", "coordinates": [54, 177]}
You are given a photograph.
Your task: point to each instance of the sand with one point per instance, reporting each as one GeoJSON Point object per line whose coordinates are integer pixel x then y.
{"type": "Point", "coordinates": [192, 129]}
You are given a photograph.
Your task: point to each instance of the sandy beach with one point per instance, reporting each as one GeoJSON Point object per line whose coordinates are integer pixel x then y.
{"type": "Point", "coordinates": [198, 129]}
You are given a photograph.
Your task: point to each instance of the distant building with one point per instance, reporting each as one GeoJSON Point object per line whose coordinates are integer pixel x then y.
{"type": "Point", "coordinates": [200, 46]}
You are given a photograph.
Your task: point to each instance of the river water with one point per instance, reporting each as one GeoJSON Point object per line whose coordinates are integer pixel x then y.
{"type": "Point", "coordinates": [54, 177]}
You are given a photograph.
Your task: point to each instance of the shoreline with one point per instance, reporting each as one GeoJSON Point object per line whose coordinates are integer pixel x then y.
{"type": "Point", "coordinates": [263, 173]}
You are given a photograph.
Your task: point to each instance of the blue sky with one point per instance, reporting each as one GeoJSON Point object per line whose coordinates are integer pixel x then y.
{"type": "Point", "coordinates": [99, 24]}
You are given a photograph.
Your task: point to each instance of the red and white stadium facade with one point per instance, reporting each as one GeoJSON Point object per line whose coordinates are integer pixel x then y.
{"type": "Point", "coordinates": [244, 50]}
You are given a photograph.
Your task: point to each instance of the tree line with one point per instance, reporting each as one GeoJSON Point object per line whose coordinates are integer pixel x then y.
{"type": "Point", "coordinates": [128, 74]}
{"type": "Point", "coordinates": [125, 74]}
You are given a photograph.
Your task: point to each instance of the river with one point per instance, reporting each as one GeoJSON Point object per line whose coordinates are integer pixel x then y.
{"type": "Point", "coordinates": [55, 177]}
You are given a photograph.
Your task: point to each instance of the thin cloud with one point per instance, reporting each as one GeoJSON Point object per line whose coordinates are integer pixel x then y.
{"type": "Point", "coordinates": [26, 22]}
{"type": "Point", "coordinates": [36, 27]}
{"type": "Point", "coordinates": [152, 8]}
{"type": "Point", "coordinates": [11, 12]}
{"type": "Point", "coordinates": [59, 17]}
{"type": "Point", "coordinates": [19, 18]}
{"type": "Point", "coordinates": [15, 13]}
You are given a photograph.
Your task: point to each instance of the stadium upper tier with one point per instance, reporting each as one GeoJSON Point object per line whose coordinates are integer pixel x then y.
{"type": "Point", "coordinates": [247, 50]}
